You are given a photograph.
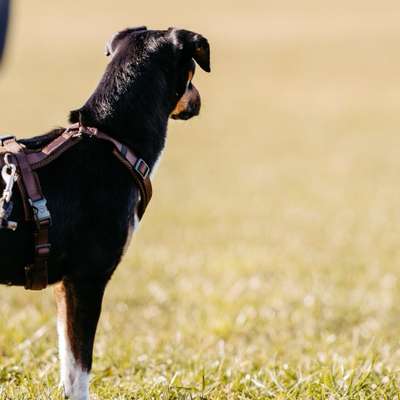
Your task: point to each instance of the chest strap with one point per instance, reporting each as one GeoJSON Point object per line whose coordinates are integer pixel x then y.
{"type": "Point", "coordinates": [29, 161]}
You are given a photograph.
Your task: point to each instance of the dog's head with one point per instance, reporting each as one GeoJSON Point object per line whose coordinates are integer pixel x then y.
{"type": "Point", "coordinates": [172, 52]}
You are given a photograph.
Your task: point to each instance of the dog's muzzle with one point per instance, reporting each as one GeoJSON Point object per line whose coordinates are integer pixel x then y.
{"type": "Point", "coordinates": [188, 106]}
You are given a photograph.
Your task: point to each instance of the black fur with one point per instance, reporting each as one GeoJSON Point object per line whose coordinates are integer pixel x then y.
{"type": "Point", "coordinates": [90, 194]}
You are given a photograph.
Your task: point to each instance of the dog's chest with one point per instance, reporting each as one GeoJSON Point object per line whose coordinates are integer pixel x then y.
{"type": "Point", "coordinates": [134, 221]}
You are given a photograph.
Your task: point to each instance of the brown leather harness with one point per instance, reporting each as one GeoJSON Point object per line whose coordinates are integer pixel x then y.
{"type": "Point", "coordinates": [35, 205]}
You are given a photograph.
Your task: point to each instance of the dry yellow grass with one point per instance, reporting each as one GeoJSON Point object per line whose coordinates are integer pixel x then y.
{"type": "Point", "coordinates": [268, 263]}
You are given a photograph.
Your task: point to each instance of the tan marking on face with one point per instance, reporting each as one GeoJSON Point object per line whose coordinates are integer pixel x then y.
{"type": "Point", "coordinates": [185, 99]}
{"type": "Point", "coordinates": [182, 104]}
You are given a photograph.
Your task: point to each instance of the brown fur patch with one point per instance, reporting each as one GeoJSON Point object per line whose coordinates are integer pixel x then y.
{"type": "Point", "coordinates": [65, 304]}
{"type": "Point", "coordinates": [59, 294]}
{"type": "Point", "coordinates": [78, 307]}
{"type": "Point", "coordinates": [182, 104]}
{"type": "Point", "coordinates": [185, 99]}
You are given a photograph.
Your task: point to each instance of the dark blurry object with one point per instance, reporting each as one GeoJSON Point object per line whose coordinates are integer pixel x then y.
{"type": "Point", "coordinates": [4, 13]}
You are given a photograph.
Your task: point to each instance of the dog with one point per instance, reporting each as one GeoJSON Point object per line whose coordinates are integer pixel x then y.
{"type": "Point", "coordinates": [90, 195]}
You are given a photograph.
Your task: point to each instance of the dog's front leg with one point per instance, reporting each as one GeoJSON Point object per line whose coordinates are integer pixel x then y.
{"type": "Point", "coordinates": [78, 311]}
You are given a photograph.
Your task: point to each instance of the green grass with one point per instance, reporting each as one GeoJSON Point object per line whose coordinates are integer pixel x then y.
{"type": "Point", "coordinates": [267, 266]}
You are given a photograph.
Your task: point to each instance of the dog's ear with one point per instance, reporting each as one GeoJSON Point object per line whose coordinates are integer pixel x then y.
{"type": "Point", "coordinates": [112, 44]}
{"type": "Point", "coordinates": [109, 48]}
{"type": "Point", "coordinates": [196, 46]}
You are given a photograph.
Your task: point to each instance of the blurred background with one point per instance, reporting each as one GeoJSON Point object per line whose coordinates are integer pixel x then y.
{"type": "Point", "coordinates": [267, 264]}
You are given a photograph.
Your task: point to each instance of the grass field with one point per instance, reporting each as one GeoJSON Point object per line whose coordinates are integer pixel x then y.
{"type": "Point", "coordinates": [268, 264]}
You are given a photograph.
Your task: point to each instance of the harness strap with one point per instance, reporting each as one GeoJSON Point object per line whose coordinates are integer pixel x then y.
{"type": "Point", "coordinates": [35, 203]}
{"type": "Point", "coordinates": [53, 150]}
{"type": "Point", "coordinates": [137, 167]}
{"type": "Point", "coordinates": [36, 273]}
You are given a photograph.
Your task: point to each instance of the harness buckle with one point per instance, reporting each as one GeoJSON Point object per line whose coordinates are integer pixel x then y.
{"type": "Point", "coordinates": [87, 130]}
{"type": "Point", "coordinates": [4, 138]}
{"type": "Point", "coordinates": [42, 250]}
{"type": "Point", "coordinates": [40, 211]}
{"type": "Point", "coordinates": [141, 168]}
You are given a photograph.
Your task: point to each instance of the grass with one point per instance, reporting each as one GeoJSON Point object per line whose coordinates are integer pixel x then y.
{"type": "Point", "coordinates": [267, 266]}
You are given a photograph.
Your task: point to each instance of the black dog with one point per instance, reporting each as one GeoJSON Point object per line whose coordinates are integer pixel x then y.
{"type": "Point", "coordinates": [90, 194]}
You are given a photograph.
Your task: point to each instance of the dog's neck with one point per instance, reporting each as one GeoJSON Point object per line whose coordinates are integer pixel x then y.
{"type": "Point", "coordinates": [132, 109]}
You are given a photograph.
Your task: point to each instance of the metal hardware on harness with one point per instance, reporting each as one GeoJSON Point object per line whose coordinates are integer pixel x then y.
{"type": "Point", "coordinates": [87, 130]}
{"type": "Point", "coordinates": [142, 168]}
{"type": "Point", "coordinates": [9, 176]}
{"type": "Point", "coordinates": [4, 138]}
{"type": "Point", "coordinates": [40, 211]}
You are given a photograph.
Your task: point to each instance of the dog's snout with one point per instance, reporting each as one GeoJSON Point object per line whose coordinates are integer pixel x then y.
{"type": "Point", "coordinates": [193, 109]}
{"type": "Point", "coordinates": [188, 106]}
{"type": "Point", "coordinates": [185, 115]}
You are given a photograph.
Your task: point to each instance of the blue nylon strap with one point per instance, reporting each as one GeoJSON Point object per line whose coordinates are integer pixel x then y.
{"type": "Point", "coordinates": [4, 14]}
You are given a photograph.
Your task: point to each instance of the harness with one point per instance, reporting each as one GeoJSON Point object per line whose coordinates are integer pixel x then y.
{"type": "Point", "coordinates": [19, 165]}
